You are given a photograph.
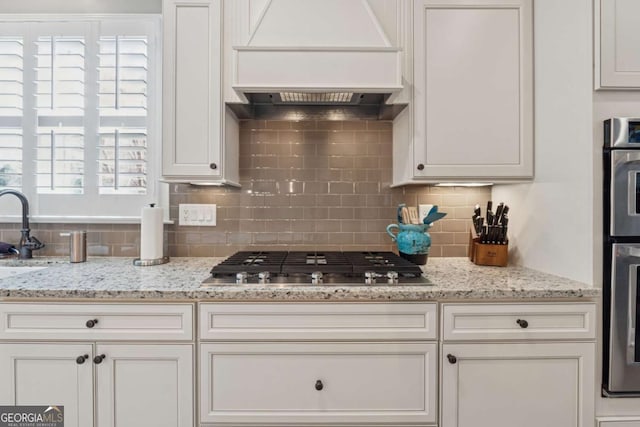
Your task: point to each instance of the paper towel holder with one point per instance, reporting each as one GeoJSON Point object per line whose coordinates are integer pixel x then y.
{"type": "Point", "coordinates": [139, 262]}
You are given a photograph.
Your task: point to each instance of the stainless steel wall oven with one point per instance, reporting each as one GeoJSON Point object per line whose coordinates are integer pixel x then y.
{"type": "Point", "coordinates": [621, 285]}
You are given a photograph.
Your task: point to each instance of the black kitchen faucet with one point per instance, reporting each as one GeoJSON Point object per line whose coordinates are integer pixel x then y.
{"type": "Point", "coordinates": [27, 243]}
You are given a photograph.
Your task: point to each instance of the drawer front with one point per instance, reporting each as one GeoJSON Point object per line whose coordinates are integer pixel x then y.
{"type": "Point", "coordinates": [619, 422]}
{"type": "Point", "coordinates": [471, 322]}
{"type": "Point", "coordinates": [284, 383]}
{"type": "Point", "coordinates": [311, 321]}
{"type": "Point", "coordinates": [122, 322]}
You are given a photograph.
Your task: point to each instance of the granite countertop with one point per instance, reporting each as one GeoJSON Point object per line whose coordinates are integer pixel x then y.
{"type": "Point", "coordinates": [180, 279]}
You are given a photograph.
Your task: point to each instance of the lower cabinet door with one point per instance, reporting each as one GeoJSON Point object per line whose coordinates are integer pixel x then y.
{"type": "Point", "coordinates": [49, 375]}
{"type": "Point", "coordinates": [524, 385]}
{"type": "Point", "coordinates": [297, 383]}
{"type": "Point", "coordinates": [144, 385]}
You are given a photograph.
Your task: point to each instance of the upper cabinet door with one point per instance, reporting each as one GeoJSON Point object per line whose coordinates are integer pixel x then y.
{"type": "Point", "coordinates": [473, 90]}
{"type": "Point", "coordinates": [619, 41]}
{"type": "Point", "coordinates": [192, 89]}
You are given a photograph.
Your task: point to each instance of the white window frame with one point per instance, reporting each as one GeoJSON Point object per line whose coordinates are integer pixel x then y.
{"type": "Point", "coordinates": [91, 207]}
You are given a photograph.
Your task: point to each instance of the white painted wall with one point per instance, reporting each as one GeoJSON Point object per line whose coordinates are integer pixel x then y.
{"type": "Point", "coordinates": [551, 219]}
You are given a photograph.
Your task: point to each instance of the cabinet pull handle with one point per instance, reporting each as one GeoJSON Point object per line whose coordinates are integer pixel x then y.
{"type": "Point", "coordinates": [319, 385]}
{"type": "Point", "coordinates": [452, 359]}
{"type": "Point", "coordinates": [80, 359]}
{"type": "Point", "coordinates": [98, 359]}
{"type": "Point", "coordinates": [420, 166]}
{"type": "Point", "coordinates": [523, 323]}
{"type": "Point", "coordinates": [91, 323]}
{"type": "Point", "coordinates": [213, 166]}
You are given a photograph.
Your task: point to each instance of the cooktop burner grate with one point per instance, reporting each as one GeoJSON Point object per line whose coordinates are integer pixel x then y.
{"type": "Point", "coordinates": [251, 262]}
{"type": "Point", "coordinates": [310, 262]}
{"type": "Point", "coordinates": [381, 262]}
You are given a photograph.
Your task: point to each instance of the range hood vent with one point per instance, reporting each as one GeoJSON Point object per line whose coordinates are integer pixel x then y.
{"type": "Point", "coordinates": [316, 106]}
{"type": "Point", "coordinates": [341, 55]}
{"type": "Point", "coordinates": [303, 98]}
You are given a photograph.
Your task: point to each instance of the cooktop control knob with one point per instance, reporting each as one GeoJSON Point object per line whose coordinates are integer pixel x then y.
{"type": "Point", "coordinates": [370, 277]}
{"type": "Point", "coordinates": [316, 278]}
{"type": "Point", "coordinates": [392, 277]}
{"type": "Point", "coordinates": [241, 277]}
{"type": "Point", "coordinates": [264, 277]}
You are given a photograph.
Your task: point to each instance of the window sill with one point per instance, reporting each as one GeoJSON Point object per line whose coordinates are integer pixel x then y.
{"type": "Point", "coordinates": [49, 219]}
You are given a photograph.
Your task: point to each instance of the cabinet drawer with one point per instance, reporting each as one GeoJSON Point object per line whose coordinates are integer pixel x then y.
{"type": "Point", "coordinates": [283, 383]}
{"type": "Point", "coordinates": [122, 322]}
{"type": "Point", "coordinates": [468, 322]}
{"type": "Point", "coordinates": [618, 422]}
{"type": "Point", "coordinates": [309, 321]}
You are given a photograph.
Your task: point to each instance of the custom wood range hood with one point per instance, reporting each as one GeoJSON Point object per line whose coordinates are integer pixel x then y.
{"type": "Point", "coordinates": [304, 59]}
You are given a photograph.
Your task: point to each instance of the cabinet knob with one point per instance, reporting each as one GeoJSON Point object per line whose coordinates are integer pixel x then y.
{"type": "Point", "coordinates": [523, 323]}
{"type": "Point", "coordinates": [319, 385]}
{"type": "Point", "coordinates": [420, 166]}
{"type": "Point", "coordinates": [80, 359]}
{"type": "Point", "coordinates": [213, 166]}
{"type": "Point", "coordinates": [98, 359]}
{"type": "Point", "coordinates": [452, 359]}
{"type": "Point", "coordinates": [91, 323]}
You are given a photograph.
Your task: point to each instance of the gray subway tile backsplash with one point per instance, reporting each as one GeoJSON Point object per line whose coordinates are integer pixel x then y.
{"type": "Point", "coordinates": [312, 185]}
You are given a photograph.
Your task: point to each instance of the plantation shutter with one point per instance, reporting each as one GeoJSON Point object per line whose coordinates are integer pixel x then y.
{"type": "Point", "coordinates": [79, 115]}
{"type": "Point", "coordinates": [11, 111]}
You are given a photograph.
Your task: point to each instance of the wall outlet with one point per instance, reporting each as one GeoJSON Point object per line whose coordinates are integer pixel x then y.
{"type": "Point", "coordinates": [200, 215]}
{"type": "Point", "coordinates": [423, 210]}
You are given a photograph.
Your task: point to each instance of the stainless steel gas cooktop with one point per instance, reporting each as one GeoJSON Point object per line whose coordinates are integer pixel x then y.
{"type": "Point", "coordinates": [316, 268]}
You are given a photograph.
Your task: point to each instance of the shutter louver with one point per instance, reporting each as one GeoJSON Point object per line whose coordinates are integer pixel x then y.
{"type": "Point", "coordinates": [60, 106]}
{"type": "Point", "coordinates": [11, 111]}
{"type": "Point", "coordinates": [122, 91]}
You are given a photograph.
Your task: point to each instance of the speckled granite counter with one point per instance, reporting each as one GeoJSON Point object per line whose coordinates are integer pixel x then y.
{"type": "Point", "coordinates": [117, 278]}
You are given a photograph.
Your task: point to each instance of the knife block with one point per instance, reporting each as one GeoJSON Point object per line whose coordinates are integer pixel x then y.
{"type": "Point", "coordinates": [487, 254]}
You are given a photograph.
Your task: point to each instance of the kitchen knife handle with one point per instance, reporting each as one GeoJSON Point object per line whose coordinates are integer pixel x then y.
{"type": "Point", "coordinates": [523, 323]}
{"type": "Point", "coordinates": [452, 359]}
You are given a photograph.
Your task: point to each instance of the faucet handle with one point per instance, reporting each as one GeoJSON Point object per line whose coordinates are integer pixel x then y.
{"type": "Point", "coordinates": [33, 243]}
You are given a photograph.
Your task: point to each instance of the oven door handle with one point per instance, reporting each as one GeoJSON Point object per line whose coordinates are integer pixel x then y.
{"type": "Point", "coordinates": [632, 312]}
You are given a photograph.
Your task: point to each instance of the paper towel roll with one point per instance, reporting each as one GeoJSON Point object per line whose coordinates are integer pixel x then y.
{"type": "Point", "coordinates": [151, 233]}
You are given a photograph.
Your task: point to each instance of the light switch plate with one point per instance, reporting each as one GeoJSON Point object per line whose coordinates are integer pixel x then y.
{"type": "Point", "coordinates": [197, 215]}
{"type": "Point", "coordinates": [423, 210]}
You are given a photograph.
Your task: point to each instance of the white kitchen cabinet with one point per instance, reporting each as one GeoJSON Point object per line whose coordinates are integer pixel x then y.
{"type": "Point", "coordinates": [472, 112]}
{"type": "Point", "coordinates": [617, 53]}
{"type": "Point", "coordinates": [284, 383]}
{"type": "Point", "coordinates": [136, 385]}
{"type": "Point", "coordinates": [96, 322]}
{"type": "Point", "coordinates": [200, 136]}
{"type": "Point", "coordinates": [145, 378]}
{"type": "Point", "coordinates": [321, 364]}
{"type": "Point", "coordinates": [541, 373]}
{"type": "Point", "coordinates": [313, 321]}
{"type": "Point", "coordinates": [525, 385]}
{"type": "Point", "coordinates": [144, 385]}
{"type": "Point", "coordinates": [508, 322]}
{"type": "Point", "coordinates": [49, 374]}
